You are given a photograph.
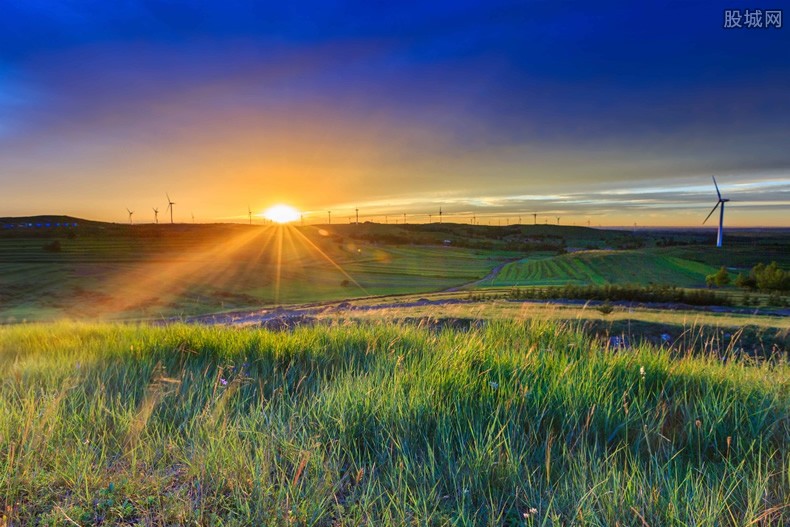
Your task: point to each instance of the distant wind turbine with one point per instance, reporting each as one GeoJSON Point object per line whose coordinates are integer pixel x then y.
{"type": "Point", "coordinates": [558, 220]}
{"type": "Point", "coordinates": [156, 215]}
{"type": "Point", "coordinates": [329, 215]}
{"type": "Point", "coordinates": [249, 213]}
{"type": "Point", "coordinates": [722, 201]}
{"type": "Point", "coordinates": [130, 215]}
{"type": "Point", "coordinates": [170, 204]}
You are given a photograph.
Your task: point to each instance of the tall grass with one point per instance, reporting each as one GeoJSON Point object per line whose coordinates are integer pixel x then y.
{"type": "Point", "coordinates": [383, 424]}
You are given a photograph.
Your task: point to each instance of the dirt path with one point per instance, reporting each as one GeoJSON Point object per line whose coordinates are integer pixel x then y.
{"type": "Point", "coordinates": [283, 318]}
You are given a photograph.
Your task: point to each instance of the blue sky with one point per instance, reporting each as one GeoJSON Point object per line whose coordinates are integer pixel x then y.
{"type": "Point", "coordinates": [611, 111]}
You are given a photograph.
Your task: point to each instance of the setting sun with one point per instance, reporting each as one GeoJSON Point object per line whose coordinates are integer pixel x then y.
{"type": "Point", "coordinates": [281, 214]}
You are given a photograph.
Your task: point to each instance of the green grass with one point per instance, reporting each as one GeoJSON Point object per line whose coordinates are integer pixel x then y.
{"type": "Point", "coordinates": [525, 423]}
{"type": "Point", "coordinates": [154, 272]}
{"type": "Point", "coordinates": [604, 267]}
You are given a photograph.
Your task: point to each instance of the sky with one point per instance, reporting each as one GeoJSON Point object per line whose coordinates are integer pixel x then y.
{"type": "Point", "coordinates": [611, 112]}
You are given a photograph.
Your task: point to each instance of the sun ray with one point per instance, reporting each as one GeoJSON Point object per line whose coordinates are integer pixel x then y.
{"type": "Point", "coordinates": [331, 261]}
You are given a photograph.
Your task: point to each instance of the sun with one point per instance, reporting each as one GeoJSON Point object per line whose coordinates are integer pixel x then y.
{"type": "Point", "coordinates": [281, 214]}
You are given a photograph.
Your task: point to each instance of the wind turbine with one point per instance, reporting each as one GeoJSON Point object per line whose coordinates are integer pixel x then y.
{"type": "Point", "coordinates": [156, 215]}
{"type": "Point", "coordinates": [249, 213]}
{"type": "Point", "coordinates": [130, 215]}
{"type": "Point", "coordinates": [558, 220]}
{"type": "Point", "coordinates": [721, 202]}
{"type": "Point", "coordinates": [170, 204]}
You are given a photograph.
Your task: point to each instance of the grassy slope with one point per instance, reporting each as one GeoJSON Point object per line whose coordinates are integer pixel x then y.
{"type": "Point", "coordinates": [383, 425]}
{"type": "Point", "coordinates": [604, 267]}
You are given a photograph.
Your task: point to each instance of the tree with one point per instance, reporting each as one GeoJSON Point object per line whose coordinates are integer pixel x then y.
{"type": "Point", "coordinates": [746, 281]}
{"type": "Point", "coordinates": [719, 278]}
{"type": "Point", "coordinates": [770, 277]}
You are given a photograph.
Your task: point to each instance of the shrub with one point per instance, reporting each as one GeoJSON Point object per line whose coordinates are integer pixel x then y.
{"type": "Point", "coordinates": [771, 277]}
{"type": "Point", "coordinates": [605, 308]}
{"type": "Point", "coordinates": [720, 278]}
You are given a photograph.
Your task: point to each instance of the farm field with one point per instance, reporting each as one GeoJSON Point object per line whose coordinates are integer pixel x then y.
{"type": "Point", "coordinates": [604, 267]}
{"type": "Point", "coordinates": [386, 424]}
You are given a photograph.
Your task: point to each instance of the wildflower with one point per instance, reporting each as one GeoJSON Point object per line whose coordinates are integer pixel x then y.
{"type": "Point", "coordinates": [493, 385]}
{"type": "Point", "coordinates": [223, 381]}
{"type": "Point", "coordinates": [531, 512]}
{"type": "Point", "coordinates": [642, 371]}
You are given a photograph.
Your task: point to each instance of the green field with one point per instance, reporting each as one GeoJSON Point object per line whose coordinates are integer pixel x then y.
{"type": "Point", "coordinates": [603, 267]}
{"type": "Point", "coordinates": [155, 271]}
{"type": "Point", "coordinates": [382, 424]}
{"type": "Point", "coordinates": [111, 271]}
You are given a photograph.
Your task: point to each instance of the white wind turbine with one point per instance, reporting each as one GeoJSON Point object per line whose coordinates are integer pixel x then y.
{"type": "Point", "coordinates": [721, 202]}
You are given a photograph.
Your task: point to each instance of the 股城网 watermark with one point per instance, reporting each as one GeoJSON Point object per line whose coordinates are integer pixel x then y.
{"type": "Point", "coordinates": [752, 19]}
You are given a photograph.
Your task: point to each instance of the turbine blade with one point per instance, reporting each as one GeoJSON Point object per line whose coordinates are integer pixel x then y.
{"type": "Point", "coordinates": [717, 187]}
{"type": "Point", "coordinates": [712, 211]}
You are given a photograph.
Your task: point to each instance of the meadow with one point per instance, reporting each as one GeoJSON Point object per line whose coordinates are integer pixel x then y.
{"type": "Point", "coordinates": [604, 267]}
{"type": "Point", "coordinates": [151, 271]}
{"type": "Point", "coordinates": [145, 272]}
{"type": "Point", "coordinates": [506, 423]}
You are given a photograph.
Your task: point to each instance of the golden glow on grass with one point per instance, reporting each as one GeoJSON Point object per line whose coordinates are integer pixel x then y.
{"type": "Point", "coordinates": [275, 261]}
{"type": "Point", "coordinates": [281, 214]}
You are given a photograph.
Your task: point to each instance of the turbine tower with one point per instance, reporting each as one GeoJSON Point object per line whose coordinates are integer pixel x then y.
{"type": "Point", "coordinates": [249, 213]}
{"type": "Point", "coordinates": [156, 215]}
{"type": "Point", "coordinates": [170, 204]}
{"type": "Point", "coordinates": [130, 215]}
{"type": "Point", "coordinates": [722, 201]}
{"type": "Point", "coordinates": [329, 214]}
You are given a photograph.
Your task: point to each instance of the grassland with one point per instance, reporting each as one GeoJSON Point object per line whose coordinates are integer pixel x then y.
{"type": "Point", "coordinates": [112, 271]}
{"type": "Point", "coordinates": [603, 267]}
{"type": "Point", "coordinates": [152, 271]}
{"type": "Point", "coordinates": [383, 424]}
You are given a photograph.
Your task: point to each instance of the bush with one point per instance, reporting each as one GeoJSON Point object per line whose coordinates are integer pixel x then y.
{"type": "Point", "coordinates": [719, 279]}
{"type": "Point", "coordinates": [745, 281]}
{"type": "Point", "coordinates": [628, 293]}
{"type": "Point", "coordinates": [605, 308]}
{"type": "Point", "coordinates": [771, 277]}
